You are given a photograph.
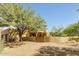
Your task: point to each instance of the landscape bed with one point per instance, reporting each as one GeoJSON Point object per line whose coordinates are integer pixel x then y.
{"type": "Point", "coordinates": [58, 51]}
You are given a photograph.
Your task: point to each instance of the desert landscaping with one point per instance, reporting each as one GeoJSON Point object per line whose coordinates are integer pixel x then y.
{"type": "Point", "coordinates": [32, 48]}
{"type": "Point", "coordinates": [23, 32]}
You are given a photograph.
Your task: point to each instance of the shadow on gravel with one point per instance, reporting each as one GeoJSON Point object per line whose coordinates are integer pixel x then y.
{"type": "Point", "coordinates": [57, 51]}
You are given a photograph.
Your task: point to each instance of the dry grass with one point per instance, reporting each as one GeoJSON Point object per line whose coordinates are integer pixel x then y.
{"type": "Point", "coordinates": [1, 46]}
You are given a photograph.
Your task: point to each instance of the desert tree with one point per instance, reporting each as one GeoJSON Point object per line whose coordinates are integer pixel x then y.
{"type": "Point", "coordinates": [21, 18]}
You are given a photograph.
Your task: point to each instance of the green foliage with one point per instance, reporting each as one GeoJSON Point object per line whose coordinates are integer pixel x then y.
{"type": "Point", "coordinates": [38, 24]}
{"type": "Point", "coordinates": [72, 30]}
{"type": "Point", "coordinates": [57, 31]}
{"type": "Point", "coordinates": [15, 14]}
{"type": "Point", "coordinates": [3, 24]}
{"type": "Point", "coordinates": [23, 19]}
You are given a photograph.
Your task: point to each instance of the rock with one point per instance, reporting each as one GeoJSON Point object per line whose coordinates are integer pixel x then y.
{"type": "Point", "coordinates": [58, 51]}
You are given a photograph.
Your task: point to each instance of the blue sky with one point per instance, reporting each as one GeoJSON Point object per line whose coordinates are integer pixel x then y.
{"type": "Point", "coordinates": [56, 14]}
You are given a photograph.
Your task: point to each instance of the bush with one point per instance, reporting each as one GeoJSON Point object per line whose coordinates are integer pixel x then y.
{"type": "Point", "coordinates": [57, 31]}
{"type": "Point", "coordinates": [75, 39]}
{"type": "Point", "coordinates": [72, 30]}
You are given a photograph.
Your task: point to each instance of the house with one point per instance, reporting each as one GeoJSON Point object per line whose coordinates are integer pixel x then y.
{"type": "Point", "coordinates": [39, 36]}
{"type": "Point", "coordinates": [4, 32]}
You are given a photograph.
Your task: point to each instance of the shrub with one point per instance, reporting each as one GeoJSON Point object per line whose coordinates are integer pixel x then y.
{"type": "Point", "coordinates": [75, 39]}
{"type": "Point", "coordinates": [57, 31]}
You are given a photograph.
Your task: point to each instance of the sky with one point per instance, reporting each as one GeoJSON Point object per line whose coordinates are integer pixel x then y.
{"type": "Point", "coordinates": [56, 14]}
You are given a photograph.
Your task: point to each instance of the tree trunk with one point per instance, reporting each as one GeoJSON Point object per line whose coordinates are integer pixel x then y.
{"type": "Point", "coordinates": [20, 37]}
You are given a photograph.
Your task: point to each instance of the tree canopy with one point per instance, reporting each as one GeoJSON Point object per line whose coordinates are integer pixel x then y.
{"type": "Point", "coordinates": [21, 18]}
{"type": "Point", "coordinates": [72, 30]}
